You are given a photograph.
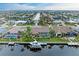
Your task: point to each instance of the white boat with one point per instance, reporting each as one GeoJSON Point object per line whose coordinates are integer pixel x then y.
{"type": "Point", "coordinates": [11, 43]}
{"type": "Point", "coordinates": [35, 45]}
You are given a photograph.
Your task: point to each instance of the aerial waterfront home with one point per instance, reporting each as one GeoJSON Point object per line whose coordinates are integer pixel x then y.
{"type": "Point", "coordinates": [61, 31]}
{"type": "Point", "coordinates": [14, 32]}
{"type": "Point", "coordinates": [40, 31]}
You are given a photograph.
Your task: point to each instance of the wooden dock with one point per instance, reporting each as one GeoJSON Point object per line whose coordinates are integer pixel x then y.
{"type": "Point", "coordinates": [48, 43]}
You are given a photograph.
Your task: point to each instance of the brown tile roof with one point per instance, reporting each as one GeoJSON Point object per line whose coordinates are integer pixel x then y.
{"type": "Point", "coordinates": [62, 29]}
{"type": "Point", "coordinates": [39, 29]}
{"type": "Point", "coordinates": [16, 29]}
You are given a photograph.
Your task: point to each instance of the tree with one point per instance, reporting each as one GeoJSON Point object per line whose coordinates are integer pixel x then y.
{"type": "Point", "coordinates": [52, 33]}
{"type": "Point", "coordinates": [26, 36]}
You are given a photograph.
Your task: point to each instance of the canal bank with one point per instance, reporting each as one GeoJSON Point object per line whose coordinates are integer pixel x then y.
{"type": "Point", "coordinates": [42, 43]}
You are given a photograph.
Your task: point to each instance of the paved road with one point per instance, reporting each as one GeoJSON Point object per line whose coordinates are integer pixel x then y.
{"type": "Point", "coordinates": [37, 18]}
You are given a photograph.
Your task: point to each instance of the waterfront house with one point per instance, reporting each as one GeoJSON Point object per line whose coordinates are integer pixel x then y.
{"type": "Point", "coordinates": [14, 32]}
{"type": "Point", "coordinates": [61, 30]}
{"type": "Point", "coordinates": [40, 31]}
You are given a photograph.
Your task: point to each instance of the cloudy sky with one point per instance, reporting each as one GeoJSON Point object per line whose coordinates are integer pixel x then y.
{"type": "Point", "coordinates": [39, 6]}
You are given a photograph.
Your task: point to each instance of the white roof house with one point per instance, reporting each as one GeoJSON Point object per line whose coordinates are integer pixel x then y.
{"type": "Point", "coordinates": [57, 21]}
{"type": "Point", "coordinates": [20, 21]}
{"type": "Point", "coordinates": [73, 21]}
{"type": "Point", "coordinates": [70, 21]}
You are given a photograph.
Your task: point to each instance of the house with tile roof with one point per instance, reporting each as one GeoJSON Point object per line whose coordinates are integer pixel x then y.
{"type": "Point", "coordinates": [40, 31]}
{"type": "Point", "coordinates": [61, 30]}
{"type": "Point", "coordinates": [14, 32]}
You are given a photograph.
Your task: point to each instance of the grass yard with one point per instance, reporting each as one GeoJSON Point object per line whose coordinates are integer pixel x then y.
{"type": "Point", "coordinates": [77, 38]}
{"type": "Point", "coordinates": [25, 24]}
{"type": "Point", "coordinates": [55, 39]}
{"type": "Point", "coordinates": [8, 40]}
{"type": "Point", "coordinates": [16, 40]}
{"type": "Point", "coordinates": [71, 24]}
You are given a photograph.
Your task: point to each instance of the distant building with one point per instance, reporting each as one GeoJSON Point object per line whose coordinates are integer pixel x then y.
{"type": "Point", "coordinates": [75, 20]}
{"type": "Point", "coordinates": [71, 21]}
{"type": "Point", "coordinates": [21, 21]}
{"type": "Point", "coordinates": [57, 22]}
{"type": "Point", "coordinates": [76, 28]}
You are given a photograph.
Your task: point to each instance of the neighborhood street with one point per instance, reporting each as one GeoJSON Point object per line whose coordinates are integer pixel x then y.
{"type": "Point", "coordinates": [36, 19]}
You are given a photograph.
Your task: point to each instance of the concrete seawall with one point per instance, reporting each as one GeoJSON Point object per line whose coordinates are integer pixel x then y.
{"type": "Point", "coordinates": [47, 43]}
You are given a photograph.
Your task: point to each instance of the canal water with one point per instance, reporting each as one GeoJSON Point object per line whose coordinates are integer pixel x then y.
{"type": "Point", "coordinates": [20, 50]}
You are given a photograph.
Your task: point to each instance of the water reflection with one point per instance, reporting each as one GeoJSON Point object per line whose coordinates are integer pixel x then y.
{"type": "Point", "coordinates": [35, 50]}
{"type": "Point", "coordinates": [49, 46]}
{"type": "Point", "coordinates": [43, 46]}
{"type": "Point", "coordinates": [46, 50]}
{"type": "Point", "coordinates": [61, 46]}
{"type": "Point", "coordinates": [1, 47]}
{"type": "Point", "coordinates": [22, 49]}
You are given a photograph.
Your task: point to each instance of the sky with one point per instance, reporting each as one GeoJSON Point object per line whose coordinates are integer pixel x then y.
{"type": "Point", "coordinates": [39, 6]}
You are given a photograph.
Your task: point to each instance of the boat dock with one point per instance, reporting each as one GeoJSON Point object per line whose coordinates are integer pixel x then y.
{"type": "Point", "coordinates": [57, 43]}
{"type": "Point", "coordinates": [73, 44]}
{"type": "Point", "coordinates": [49, 43]}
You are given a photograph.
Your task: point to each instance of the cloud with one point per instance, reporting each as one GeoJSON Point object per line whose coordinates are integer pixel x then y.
{"type": "Point", "coordinates": [22, 7]}
{"type": "Point", "coordinates": [30, 6]}
{"type": "Point", "coordinates": [62, 6]}
{"type": "Point", "coordinates": [42, 6]}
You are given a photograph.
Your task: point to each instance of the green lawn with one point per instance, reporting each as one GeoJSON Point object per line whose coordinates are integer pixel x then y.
{"type": "Point", "coordinates": [55, 39]}
{"type": "Point", "coordinates": [77, 38]}
{"type": "Point", "coordinates": [17, 40]}
{"type": "Point", "coordinates": [25, 24]}
{"type": "Point", "coordinates": [8, 40]}
{"type": "Point", "coordinates": [71, 24]}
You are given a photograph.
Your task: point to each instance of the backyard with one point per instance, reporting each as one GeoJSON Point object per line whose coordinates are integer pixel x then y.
{"type": "Point", "coordinates": [54, 39]}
